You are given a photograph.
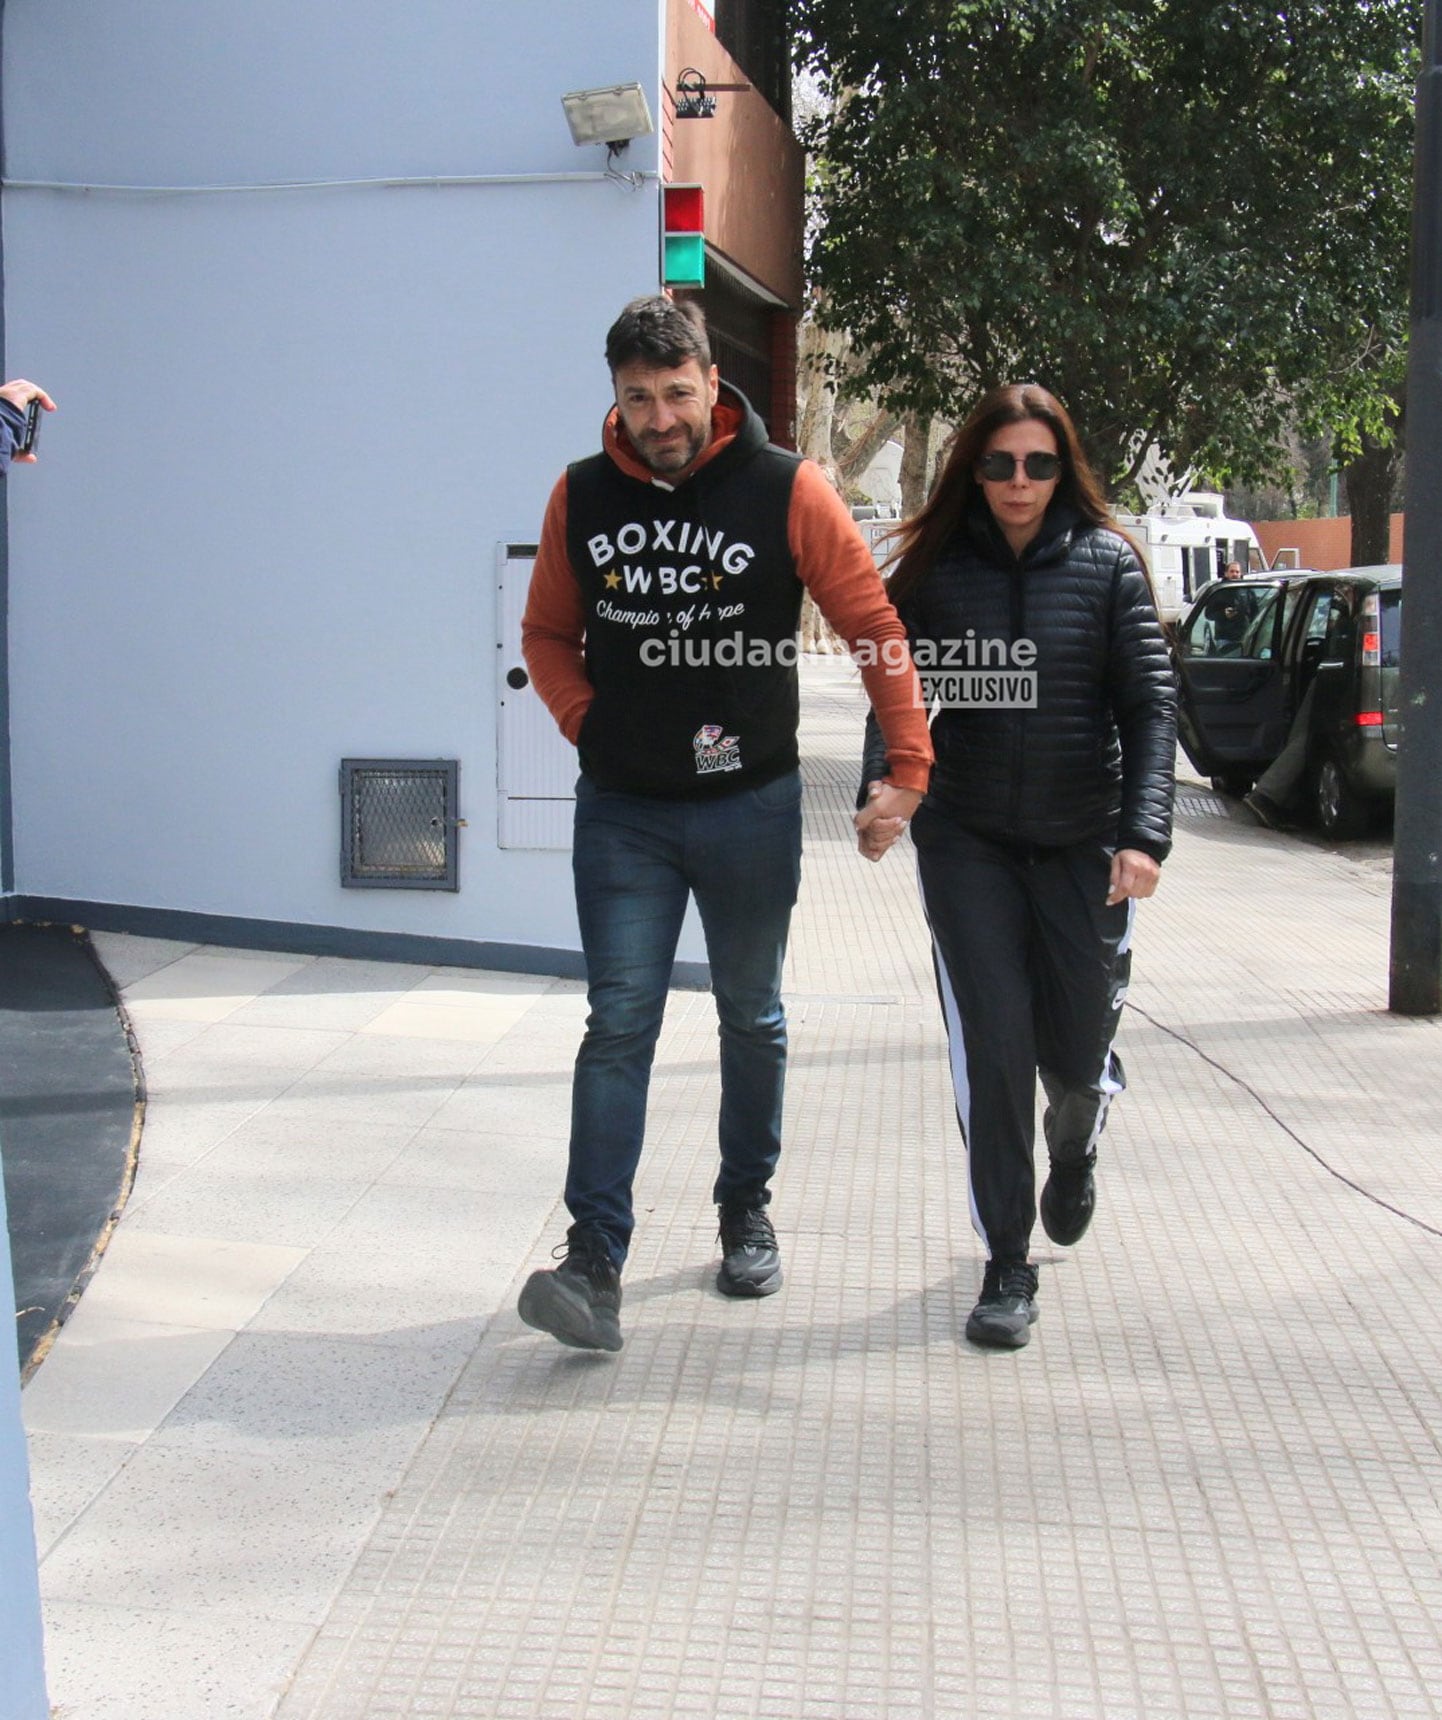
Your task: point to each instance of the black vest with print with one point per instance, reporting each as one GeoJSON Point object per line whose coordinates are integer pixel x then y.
{"type": "Point", "coordinates": [691, 602]}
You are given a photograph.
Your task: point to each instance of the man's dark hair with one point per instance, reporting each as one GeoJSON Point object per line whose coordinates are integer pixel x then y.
{"type": "Point", "coordinates": [659, 333]}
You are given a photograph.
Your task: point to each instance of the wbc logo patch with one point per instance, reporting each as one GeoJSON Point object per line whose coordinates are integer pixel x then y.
{"type": "Point", "coordinates": [715, 750]}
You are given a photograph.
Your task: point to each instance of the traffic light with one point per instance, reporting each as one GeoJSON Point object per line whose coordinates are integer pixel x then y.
{"type": "Point", "coordinates": [683, 236]}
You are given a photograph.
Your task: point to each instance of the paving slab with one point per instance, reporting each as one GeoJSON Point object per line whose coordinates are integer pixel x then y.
{"type": "Point", "coordinates": [1211, 1485]}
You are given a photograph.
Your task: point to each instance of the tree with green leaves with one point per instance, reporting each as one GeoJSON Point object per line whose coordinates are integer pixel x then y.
{"type": "Point", "coordinates": [1189, 218]}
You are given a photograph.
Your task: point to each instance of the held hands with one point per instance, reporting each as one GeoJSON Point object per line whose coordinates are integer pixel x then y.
{"type": "Point", "coordinates": [886, 814]}
{"type": "Point", "coordinates": [1133, 874]}
{"type": "Point", "coordinates": [888, 811]}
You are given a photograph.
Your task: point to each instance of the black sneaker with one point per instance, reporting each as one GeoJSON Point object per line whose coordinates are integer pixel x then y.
{"type": "Point", "coordinates": [1004, 1316]}
{"type": "Point", "coordinates": [580, 1302]}
{"type": "Point", "coordinates": [751, 1261]}
{"type": "Point", "coordinates": [1068, 1200]}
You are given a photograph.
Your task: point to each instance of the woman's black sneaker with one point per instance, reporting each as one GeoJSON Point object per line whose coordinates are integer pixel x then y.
{"type": "Point", "coordinates": [750, 1259]}
{"type": "Point", "coordinates": [1004, 1316]}
{"type": "Point", "coordinates": [1068, 1200]}
{"type": "Point", "coordinates": [580, 1302]}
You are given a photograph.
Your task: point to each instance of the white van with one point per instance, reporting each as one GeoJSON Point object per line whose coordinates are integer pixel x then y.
{"type": "Point", "coordinates": [1188, 543]}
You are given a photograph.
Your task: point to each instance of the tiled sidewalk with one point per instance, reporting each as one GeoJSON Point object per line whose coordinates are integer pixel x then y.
{"type": "Point", "coordinates": [1211, 1486]}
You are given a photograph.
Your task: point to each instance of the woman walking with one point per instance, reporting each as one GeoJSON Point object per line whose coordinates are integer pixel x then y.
{"type": "Point", "coordinates": [1049, 813]}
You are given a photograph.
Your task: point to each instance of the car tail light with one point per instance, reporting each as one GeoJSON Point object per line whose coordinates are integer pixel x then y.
{"type": "Point", "coordinates": [1368, 719]}
{"type": "Point", "coordinates": [1371, 636]}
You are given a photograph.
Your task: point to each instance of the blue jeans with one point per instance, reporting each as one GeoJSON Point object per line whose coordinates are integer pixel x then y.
{"type": "Point", "coordinates": [636, 861]}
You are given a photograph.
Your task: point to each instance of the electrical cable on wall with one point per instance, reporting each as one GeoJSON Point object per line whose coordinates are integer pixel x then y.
{"type": "Point", "coordinates": [633, 180]}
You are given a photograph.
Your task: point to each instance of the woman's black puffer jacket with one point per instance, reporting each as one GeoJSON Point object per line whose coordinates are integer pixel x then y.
{"type": "Point", "coordinates": [1097, 756]}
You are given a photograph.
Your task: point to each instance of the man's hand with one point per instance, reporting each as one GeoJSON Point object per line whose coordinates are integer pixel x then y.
{"type": "Point", "coordinates": [20, 393]}
{"type": "Point", "coordinates": [886, 814]}
{"type": "Point", "coordinates": [1133, 874]}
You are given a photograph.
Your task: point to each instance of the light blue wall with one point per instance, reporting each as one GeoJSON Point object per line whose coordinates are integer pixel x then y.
{"type": "Point", "coordinates": [276, 89]}
{"type": "Point", "coordinates": [22, 1666]}
{"type": "Point", "coordinates": [294, 426]}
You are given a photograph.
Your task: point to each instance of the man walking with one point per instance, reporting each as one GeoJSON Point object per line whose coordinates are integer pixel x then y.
{"type": "Point", "coordinates": [660, 630]}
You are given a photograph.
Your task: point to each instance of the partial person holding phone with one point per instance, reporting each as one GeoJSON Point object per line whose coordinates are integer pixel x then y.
{"type": "Point", "coordinates": [21, 404]}
{"type": "Point", "coordinates": [1048, 816]}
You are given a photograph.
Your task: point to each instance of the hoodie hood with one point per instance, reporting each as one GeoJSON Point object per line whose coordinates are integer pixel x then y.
{"type": "Point", "coordinates": [736, 433]}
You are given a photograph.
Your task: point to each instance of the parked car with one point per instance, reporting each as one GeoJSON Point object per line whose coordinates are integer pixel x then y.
{"type": "Point", "coordinates": [1246, 653]}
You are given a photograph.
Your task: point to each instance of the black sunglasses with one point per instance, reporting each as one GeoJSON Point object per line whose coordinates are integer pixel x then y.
{"type": "Point", "coordinates": [997, 468]}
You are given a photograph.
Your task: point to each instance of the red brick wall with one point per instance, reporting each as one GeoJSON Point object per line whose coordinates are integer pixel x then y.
{"type": "Point", "coordinates": [1322, 544]}
{"type": "Point", "coordinates": [783, 378]}
{"type": "Point", "coordinates": [752, 167]}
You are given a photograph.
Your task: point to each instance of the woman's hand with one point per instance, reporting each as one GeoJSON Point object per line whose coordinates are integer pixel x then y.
{"type": "Point", "coordinates": [1133, 874]}
{"type": "Point", "coordinates": [886, 814]}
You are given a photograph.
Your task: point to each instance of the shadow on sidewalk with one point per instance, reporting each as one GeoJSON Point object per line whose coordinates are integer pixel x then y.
{"type": "Point", "coordinates": [69, 1120]}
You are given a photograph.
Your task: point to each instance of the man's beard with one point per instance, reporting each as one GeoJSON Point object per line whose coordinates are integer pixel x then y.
{"type": "Point", "coordinates": [675, 456]}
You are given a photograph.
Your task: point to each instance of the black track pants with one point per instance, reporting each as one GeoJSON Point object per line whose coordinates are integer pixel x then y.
{"type": "Point", "coordinates": [1032, 966]}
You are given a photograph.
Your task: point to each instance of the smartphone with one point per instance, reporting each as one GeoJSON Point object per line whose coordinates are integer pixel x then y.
{"type": "Point", "coordinates": [31, 433]}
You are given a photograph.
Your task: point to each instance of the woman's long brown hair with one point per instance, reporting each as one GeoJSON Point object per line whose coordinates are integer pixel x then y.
{"type": "Point", "coordinates": [921, 539]}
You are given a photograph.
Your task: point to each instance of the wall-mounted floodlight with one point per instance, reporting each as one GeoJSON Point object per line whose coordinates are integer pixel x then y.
{"type": "Point", "coordinates": [612, 116]}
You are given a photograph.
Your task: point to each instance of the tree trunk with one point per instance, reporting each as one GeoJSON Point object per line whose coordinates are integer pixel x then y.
{"type": "Point", "coordinates": [917, 461]}
{"type": "Point", "coordinates": [857, 455]}
{"type": "Point", "coordinates": [1369, 479]}
{"type": "Point", "coordinates": [817, 360]}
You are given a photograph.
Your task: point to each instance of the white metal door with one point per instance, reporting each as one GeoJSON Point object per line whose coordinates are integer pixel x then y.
{"type": "Point", "coordinates": [535, 765]}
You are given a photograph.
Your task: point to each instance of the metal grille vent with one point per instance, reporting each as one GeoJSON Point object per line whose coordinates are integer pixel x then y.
{"type": "Point", "coordinates": [1196, 803]}
{"type": "Point", "coordinates": [399, 823]}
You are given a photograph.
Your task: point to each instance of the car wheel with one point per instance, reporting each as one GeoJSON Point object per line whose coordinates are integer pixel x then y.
{"type": "Point", "coordinates": [1233, 782]}
{"type": "Point", "coordinates": [1340, 810]}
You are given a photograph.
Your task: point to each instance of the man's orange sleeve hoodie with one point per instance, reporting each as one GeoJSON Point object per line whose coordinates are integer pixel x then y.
{"type": "Point", "coordinates": [832, 562]}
